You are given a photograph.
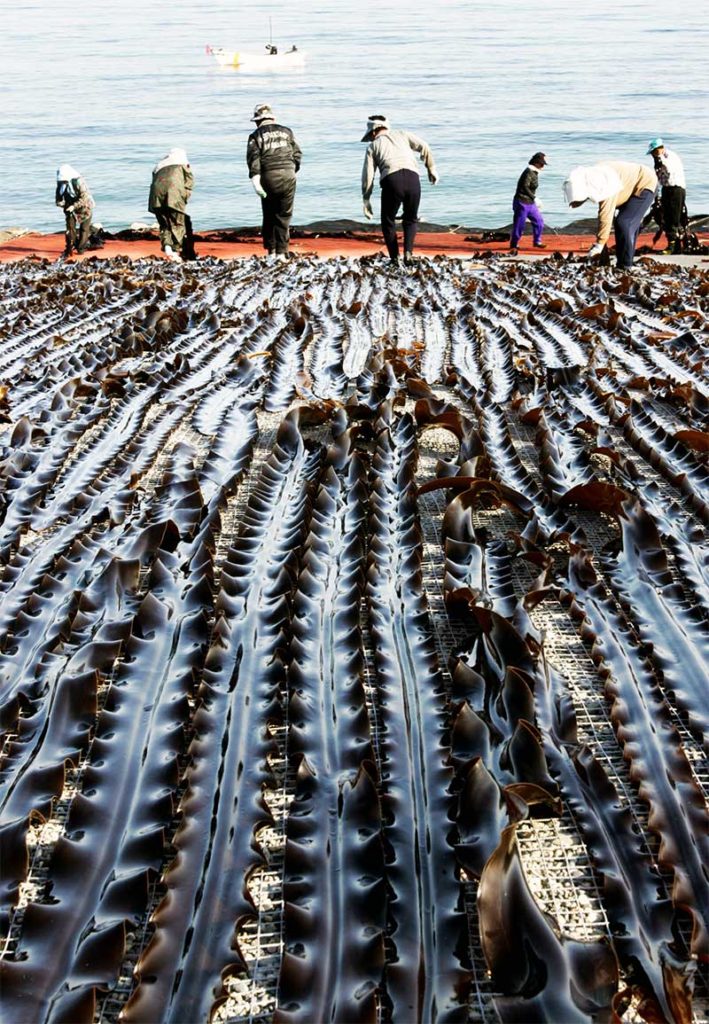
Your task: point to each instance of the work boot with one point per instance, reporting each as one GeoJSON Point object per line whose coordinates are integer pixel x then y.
{"type": "Point", "coordinates": [540, 245]}
{"type": "Point", "coordinates": [409, 258]}
{"type": "Point", "coordinates": [514, 251]}
{"type": "Point", "coordinates": [281, 257]}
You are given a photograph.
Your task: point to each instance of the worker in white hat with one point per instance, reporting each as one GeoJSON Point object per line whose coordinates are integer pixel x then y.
{"type": "Point", "coordinates": [392, 153]}
{"type": "Point", "coordinates": [170, 190]}
{"type": "Point", "coordinates": [624, 193]}
{"type": "Point", "coordinates": [73, 195]}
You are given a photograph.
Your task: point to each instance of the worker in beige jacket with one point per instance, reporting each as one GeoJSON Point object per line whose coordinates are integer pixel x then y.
{"type": "Point", "coordinates": [392, 152]}
{"type": "Point", "coordinates": [623, 191]}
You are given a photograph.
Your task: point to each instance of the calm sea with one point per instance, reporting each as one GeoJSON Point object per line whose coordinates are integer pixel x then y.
{"type": "Point", "coordinates": [109, 87]}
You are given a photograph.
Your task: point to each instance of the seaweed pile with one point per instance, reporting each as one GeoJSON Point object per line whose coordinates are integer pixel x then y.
{"type": "Point", "coordinates": [353, 642]}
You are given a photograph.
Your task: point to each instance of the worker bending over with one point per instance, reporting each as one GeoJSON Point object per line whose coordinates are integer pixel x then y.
{"type": "Point", "coordinates": [391, 152]}
{"type": "Point", "coordinates": [170, 192]}
{"type": "Point", "coordinates": [73, 195]}
{"type": "Point", "coordinates": [623, 191]}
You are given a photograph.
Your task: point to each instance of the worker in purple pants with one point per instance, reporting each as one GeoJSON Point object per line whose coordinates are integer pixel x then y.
{"type": "Point", "coordinates": [524, 204]}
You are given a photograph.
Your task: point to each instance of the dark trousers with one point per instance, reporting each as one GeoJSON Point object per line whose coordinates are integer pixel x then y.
{"type": "Point", "coordinates": [627, 226]}
{"type": "Point", "coordinates": [77, 232]}
{"type": "Point", "coordinates": [401, 187]}
{"type": "Point", "coordinates": [172, 227]}
{"type": "Point", "coordinates": [277, 208]}
{"type": "Point", "coordinates": [673, 197]}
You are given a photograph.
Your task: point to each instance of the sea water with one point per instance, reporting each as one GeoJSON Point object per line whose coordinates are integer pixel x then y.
{"type": "Point", "coordinates": [110, 87]}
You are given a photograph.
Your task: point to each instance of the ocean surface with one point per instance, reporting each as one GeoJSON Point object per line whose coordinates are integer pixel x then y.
{"type": "Point", "coordinates": [110, 87]}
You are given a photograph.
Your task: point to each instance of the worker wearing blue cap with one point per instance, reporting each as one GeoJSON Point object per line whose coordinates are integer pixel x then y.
{"type": "Point", "coordinates": [670, 174]}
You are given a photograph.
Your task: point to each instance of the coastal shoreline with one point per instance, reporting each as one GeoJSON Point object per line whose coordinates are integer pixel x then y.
{"type": "Point", "coordinates": [235, 243]}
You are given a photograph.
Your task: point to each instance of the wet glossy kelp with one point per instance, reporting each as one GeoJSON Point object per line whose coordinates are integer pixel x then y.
{"type": "Point", "coordinates": [228, 527]}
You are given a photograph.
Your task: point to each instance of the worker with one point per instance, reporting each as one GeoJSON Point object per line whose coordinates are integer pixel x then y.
{"type": "Point", "coordinates": [391, 152]}
{"type": "Point", "coordinates": [72, 194]}
{"type": "Point", "coordinates": [622, 190]}
{"type": "Point", "coordinates": [670, 174]}
{"type": "Point", "coordinates": [525, 206]}
{"type": "Point", "coordinates": [170, 192]}
{"type": "Point", "coordinates": [273, 157]}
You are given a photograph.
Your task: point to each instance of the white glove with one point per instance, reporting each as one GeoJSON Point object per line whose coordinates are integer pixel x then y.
{"type": "Point", "coordinates": [258, 187]}
{"type": "Point", "coordinates": [539, 205]}
{"type": "Point", "coordinates": [367, 208]}
{"type": "Point", "coordinates": [433, 177]}
{"type": "Point", "coordinates": [595, 250]}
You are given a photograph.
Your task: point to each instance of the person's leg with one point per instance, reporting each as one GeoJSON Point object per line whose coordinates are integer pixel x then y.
{"type": "Point", "coordinates": [163, 220]}
{"type": "Point", "coordinates": [177, 228]}
{"type": "Point", "coordinates": [519, 211]}
{"type": "Point", "coordinates": [84, 232]}
{"type": "Point", "coordinates": [70, 235]}
{"type": "Point", "coordinates": [672, 202]}
{"type": "Point", "coordinates": [268, 209]}
{"type": "Point", "coordinates": [188, 251]}
{"type": "Point", "coordinates": [627, 226]}
{"type": "Point", "coordinates": [412, 200]}
{"type": "Point", "coordinates": [537, 222]}
{"type": "Point", "coordinates": [391, 201]}
{"type": "Point", "coordinates": [284, 213]}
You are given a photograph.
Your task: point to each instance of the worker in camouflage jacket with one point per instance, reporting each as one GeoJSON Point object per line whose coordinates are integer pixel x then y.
{"type": "Point", "coordinates": [273, 157]}
{"type": "Point", "coordinates": [72, 194]}
{"type": "Point", "coordinates": [170, 191]}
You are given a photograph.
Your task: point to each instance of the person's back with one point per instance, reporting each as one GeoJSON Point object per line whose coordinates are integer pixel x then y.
{"type": "Point", "coordinates": [171, 186]}
{"type": "Point", "coordinates": [272, 147]}
{"type": "Point", "coordinates": [396, 149]}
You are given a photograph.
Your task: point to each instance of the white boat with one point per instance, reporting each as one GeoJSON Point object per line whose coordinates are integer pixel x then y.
{"type": "Point", "coordinates": [273, 60]}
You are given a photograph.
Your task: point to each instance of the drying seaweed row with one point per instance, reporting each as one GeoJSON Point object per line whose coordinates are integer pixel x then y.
{"type": "Point", "coordinates": [189, 595]}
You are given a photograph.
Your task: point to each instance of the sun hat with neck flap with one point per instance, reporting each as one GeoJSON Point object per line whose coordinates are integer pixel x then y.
{"type": "Point", "coordinates": [374, 121]}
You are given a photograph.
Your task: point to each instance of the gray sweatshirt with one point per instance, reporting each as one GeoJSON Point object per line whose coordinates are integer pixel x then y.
{"type": "Point", "coordinates": [391, 151]}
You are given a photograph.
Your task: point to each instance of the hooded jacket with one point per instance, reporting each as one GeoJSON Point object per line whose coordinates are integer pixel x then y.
{"type": "Point", "coordinates": [172, 183]}
{"type": "Point", "coordinates": [272, 147]}
{"type": "Point", "coordinates": [72, 193]}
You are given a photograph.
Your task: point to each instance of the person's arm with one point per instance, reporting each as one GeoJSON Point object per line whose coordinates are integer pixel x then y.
{"type": "Point", "coordinates": [59, 194]}
{"type": "Point", "coordinates": [253, 155]}
{"type": "Point", "coordinates": [188, 183]}
{"type": "Point", "coordinates": [419, 146]}
{"type": "Point", "coordinates": [297, 153]}
{"type": "Point", "coordinates": [368, 174]}
{"type": "Point", "coordinates": [368, 182]}
{"type": "Point", "coordinates": [606, 210]}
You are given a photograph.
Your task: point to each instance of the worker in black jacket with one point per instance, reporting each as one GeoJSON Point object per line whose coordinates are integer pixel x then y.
{"type": "Point", "coordinates": [274, 158]}
{"type": "Point", "coordinates": [524, 204]}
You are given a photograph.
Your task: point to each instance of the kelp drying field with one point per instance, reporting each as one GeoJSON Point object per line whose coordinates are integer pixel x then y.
{"type": "Point", "coordinates": [353, 642]}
